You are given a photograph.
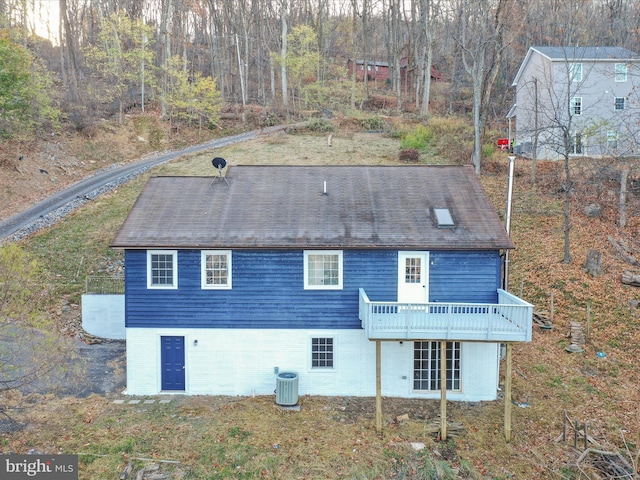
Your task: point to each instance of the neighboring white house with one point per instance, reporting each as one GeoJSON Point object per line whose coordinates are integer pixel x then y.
{"type": "Point", "coordinates": [577, 101]}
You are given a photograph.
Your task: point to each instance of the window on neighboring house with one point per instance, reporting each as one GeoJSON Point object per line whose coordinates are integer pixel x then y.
{"type": "Point", "coordinates": [216, 269]}
{"type": "Point", "coordinates": [162, 269]}
{"type": "Point", "coordinates": [323, 269]}
{"type": "Point", "coordinates": [619, 103]}
{"type": "Point", "coordinates": [575, 72]}
{"type": "Point", "coordinates": [621, 72]}
{"type": "Point", "coordinates": [576, 144]}
{"type": "Point", "coordinates": [612, 140]}
{"type": "Point", "coordinates": [575, 106]}
{"type": "Point", "coordinates": [426, 366]}
{"type": "Point", "coordinates": [322, 352]}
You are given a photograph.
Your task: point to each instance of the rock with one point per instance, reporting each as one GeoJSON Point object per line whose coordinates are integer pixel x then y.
{"type": "Point", "coordinates": [593, 210]}
{"type": "Point", "coordinates": [629, 278]}
{"type": "Point", "coordinates": [593, 263]}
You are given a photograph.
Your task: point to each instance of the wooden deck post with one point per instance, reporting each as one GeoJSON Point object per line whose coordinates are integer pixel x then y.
{"type": "Point", "coordinates": [378, 386]}
{"type": "Point", "coordinates": [443, 390]}
{"type": "Point", "coordinates": [507, 395]}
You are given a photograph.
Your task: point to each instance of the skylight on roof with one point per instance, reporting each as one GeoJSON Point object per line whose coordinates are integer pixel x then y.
{"type": "Point", "coordinates": [444, 217]}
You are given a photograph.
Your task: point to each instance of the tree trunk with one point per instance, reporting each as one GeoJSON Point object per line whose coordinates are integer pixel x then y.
{"type": "Point", "coordinates": [166, 29]}
{"type": "Point", "coordinates": [567, 210]}
{"type": "Point", "coordinates": [283, 55]}
{"type": "Point", "coordinates": [427, 60]}
{"type": "Point", "coordinates": [624, 175]}
{"type": "Point", "coordinates": [69, 51]}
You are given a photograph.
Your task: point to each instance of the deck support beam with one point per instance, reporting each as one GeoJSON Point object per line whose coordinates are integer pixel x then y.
{"type": "Point", "coordinates": [378, 386]}
{"type": "Point", "coordinates": [443, 390]}
{"type": "Point", "coordinates": [507, 394]}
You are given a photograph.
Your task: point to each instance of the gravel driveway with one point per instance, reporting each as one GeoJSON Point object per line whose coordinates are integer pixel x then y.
{"type": "Point", "coordinates": [98, 368]}
{"type": "Point", "coordinates": [104, 369]}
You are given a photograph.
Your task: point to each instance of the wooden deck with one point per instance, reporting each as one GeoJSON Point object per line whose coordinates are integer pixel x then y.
{"type": "Point", "coordinates": [510, 320]}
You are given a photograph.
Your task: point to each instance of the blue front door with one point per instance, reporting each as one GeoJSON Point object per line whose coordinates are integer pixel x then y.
{"type": "Point", "coordinates": [172, 359]}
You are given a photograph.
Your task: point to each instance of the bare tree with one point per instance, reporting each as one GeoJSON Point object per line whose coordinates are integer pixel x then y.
{"type": "Point", "coordinates": [283, 53]}
{"type": "Point", "coordinates": [69, 50]}
{"type": "Point", "coordinates": [30, 349]}
{"type": "Point", "coordinates": [429, 10]}
{"type": "Point", "coordinates": [482, 38]}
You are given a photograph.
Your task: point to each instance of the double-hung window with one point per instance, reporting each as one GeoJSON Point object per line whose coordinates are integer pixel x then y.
{"type": "Point", "coordinates": [216, 269]}
{"type": "Point", "coordinates": [322, 352]}
{"type": "Point", "coordinates": [323, 270]}
{"type": "Point", "coordinates": [575, 72]}
{"type": "Point", "coordinates": [619, 103]}
{"type": "Point", "coordinates": [621, 72]}
{"type": "Point", "coordinates": [575, 106]}
{"type": "Point", "coordinates": [162, 269]}
{"type": "Point", "coordinates": [576, 144]}
{"type": "Point", "coordinates": [426, 366]}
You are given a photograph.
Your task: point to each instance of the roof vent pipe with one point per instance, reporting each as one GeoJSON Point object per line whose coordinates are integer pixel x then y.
{"type": "Point", "coordinates": [324, 188]}
{"type": "Point", "coordinates": [505, 280]}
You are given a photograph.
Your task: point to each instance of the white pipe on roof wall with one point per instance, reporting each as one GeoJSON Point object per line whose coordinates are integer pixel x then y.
{"type": "Point", "coordinates": [505, 280]}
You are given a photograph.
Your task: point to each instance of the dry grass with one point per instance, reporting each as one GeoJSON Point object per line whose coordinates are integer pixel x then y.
{"type": "Point", "coordinates": [214, 437]}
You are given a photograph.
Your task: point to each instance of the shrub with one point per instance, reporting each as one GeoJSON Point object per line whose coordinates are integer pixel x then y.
{"type": "Point", "coordinates": [409, 155]}
{"type": "Point", "coordinates": [419, 139]}
{"type": "Point", "coordinates": [371, 123]}
{"type": "Point", "coordinates": [320, 125]}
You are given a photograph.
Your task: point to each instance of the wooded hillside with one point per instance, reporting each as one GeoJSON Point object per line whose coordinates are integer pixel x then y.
{"type": "Point", "coordinates": [289, 56]}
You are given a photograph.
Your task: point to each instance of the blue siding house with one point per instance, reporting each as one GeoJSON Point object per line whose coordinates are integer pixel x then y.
{"type": "Point", "coordinates": [310, 270]}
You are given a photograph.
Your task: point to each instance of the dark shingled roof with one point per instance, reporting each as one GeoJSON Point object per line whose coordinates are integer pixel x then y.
{"type": "Point", "coordinates": [587, 53]}
{"type": "Point", "coordinates": [285, 207]}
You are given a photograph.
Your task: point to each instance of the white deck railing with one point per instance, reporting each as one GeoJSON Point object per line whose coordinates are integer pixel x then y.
{"type": "Point", "coordinates": [510, 320]}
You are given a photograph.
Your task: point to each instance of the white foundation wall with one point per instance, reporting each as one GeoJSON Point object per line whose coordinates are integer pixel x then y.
{"type": "Point", "coordinates": [103, 315]}
{"type": "Point", "coordinates": [244, 362]}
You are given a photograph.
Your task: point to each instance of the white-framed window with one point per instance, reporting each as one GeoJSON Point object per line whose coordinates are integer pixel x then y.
{"type": "Point", "coordinates": [216, 269]}
{"type": "Point", "coordinates": [619, 103]}
{"type": "Point", "coordinates": [322, 353]}
{"type": "Point", "coordinates": [621, 72]}
{"type": "Point", "coordinates": [575, 106]}
{"type": "Point", "coordinates": [323, 270]}
{"type": "Point", "coordinates": [576, 144]}
{"type": "Point", "coordinates": [426, 366]}
{"type": "Point", "coordinates": [612, 139]}
{"type": "Point", "coordinates": [162, 269]}
{"type": "Point", "coordinates": [575, 72]}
